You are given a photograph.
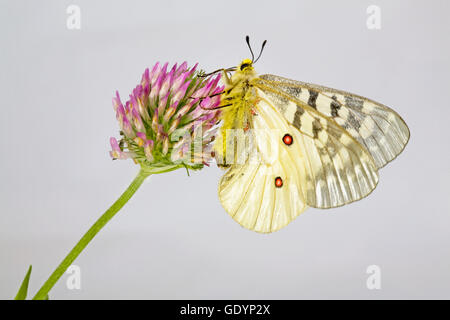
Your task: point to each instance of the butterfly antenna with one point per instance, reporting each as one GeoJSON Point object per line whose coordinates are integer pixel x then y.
{"type": "Point", "coordinates": [260, 53]}
{"type": "Point", "coordinates": [247, 39]}
{"type": "Point", "coordinates": [216, 71]}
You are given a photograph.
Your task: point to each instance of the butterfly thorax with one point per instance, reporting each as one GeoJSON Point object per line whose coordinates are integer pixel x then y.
{"type": "Point", "coordinates": [238, 100]}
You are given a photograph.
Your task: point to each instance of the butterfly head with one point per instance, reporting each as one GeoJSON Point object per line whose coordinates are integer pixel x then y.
{"type": "Point", "coordinates": [246, 65]}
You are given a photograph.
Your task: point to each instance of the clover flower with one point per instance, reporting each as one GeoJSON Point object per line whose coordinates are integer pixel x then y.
{"type": "Point", "coordinates": [169, 120]}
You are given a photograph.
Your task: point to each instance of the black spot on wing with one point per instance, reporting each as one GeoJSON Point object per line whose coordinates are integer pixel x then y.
{"type": "Point", "coordinates": [334, 106]}
{"type": "Point", "coordinates": [353, 102]}
{"type": "Point", "coordinates": [293, 91]}
{"type": "Point", "coordinates": [316, 127]}
{"type": "Point", "coordinates": [312, 98]}
{"type": "Point", "coordinates": [297, 115]}
{"type": "Point", "coordinates": [353, 122]}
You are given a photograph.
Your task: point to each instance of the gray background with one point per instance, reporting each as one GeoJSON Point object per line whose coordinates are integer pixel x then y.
{"type": "Point", "coordinates": [173, 239]}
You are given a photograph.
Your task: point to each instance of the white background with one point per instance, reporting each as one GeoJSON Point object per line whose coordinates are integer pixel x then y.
{"type": "Point", "coordinates": [173, 239]}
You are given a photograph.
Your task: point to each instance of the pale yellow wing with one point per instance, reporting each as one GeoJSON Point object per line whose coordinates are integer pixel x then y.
{"type": "Point", "coordinates": [249, 191]}
{"type": "Point", "coordinates": [335, 168]}
{"type": "Point", "coordinates": [378, 128]}
{"type": "Point", "coordinates": [249, 195]}
{"type": "Point", "coordinates": [321, 167]}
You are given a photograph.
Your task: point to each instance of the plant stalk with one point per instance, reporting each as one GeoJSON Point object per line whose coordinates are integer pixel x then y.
{"type": "Point", "coordinates": [90, 234]}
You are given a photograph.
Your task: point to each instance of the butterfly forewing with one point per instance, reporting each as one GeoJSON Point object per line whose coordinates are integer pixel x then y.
{"type": "Point", "coordinates": [378, 128]}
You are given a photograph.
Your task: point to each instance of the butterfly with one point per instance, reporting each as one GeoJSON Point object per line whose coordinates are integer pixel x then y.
{"type": "Point", "coordinates": [289, 145]}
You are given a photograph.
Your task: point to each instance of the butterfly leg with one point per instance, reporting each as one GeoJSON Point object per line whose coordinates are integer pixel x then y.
{"type": "Point", "coordinates": [226, 77]}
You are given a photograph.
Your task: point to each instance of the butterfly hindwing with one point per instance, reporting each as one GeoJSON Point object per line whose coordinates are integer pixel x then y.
{"type": "Point", "coordinates": [249, 195]}
{"type": "Point", "coordinates": [249, 191]}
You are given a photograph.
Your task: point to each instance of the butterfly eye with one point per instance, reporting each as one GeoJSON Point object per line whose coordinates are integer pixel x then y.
{"type": "Point", "coordinates": [287, 139]}
{"type": "Point", "coordinates": [245, 65]}
{"type": "Point", "coordinates": [278, 182]}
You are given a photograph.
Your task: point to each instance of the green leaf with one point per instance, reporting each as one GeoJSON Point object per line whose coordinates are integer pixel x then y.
{"type": "Point", "coordinates": [22, 294]}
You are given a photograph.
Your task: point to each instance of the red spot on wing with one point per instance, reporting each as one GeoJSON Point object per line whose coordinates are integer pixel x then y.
{"type": "Point", "coordinates": [278, 182]}
{"type": "Point", "coordinates": [287, 139]}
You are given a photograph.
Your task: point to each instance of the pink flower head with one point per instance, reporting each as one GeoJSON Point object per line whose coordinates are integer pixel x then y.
{"type": "Point", "coordinates": [171, 109]}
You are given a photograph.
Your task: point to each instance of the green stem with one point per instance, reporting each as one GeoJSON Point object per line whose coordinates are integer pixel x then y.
{"type": "Point", "coordinates": [90, 234]}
